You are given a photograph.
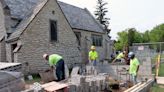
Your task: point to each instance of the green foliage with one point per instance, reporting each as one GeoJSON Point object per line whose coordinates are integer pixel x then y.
{"type": "Point", "coordinates": [122, 40]}
{"type": "Point", "coordinates": [131, 35]}
{"type": "Point", "coordinates": [157, 33]}
{"type": "Point", "coordinates": [146, 37]}
{"type": "Point", "coordinates": [128, 36]}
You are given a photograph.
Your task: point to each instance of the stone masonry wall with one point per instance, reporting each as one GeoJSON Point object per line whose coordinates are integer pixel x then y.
{"type": "Point", "coordinates": [86, 42]}
{"type": "Point", "coordinates": [36, 39]}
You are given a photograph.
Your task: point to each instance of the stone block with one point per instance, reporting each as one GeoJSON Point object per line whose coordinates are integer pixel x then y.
{"type": "Point", "coordinates": [79, 89]}
{"type": "Point", "coordinates": [82, 80]}
{"type": "Point", "coordinates": [75, 71]}
{"type": "Point", "coordinates": [72, 88]}
{"type": "Point", "coordinates": [66, 72]}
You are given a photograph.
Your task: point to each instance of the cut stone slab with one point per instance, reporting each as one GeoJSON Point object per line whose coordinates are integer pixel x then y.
{"type": "Point", "coordinates": [75, 71]}
{"type": "Point", "coordinates": [160, 80]}
{"type": "Point", "coordinates": [66, 72]}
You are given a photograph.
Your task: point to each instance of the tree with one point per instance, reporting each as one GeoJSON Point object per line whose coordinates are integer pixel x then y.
{"type": "Point", "coordinates": [100, 14]}
{"type": "Point", "coordinates": [146, 36]}
{"type": "Point", "coordinates": [157, 34]}
{"type": "Point", "coordinates": [128, 36]}
{"type": "Point", "coordinates": [122, 40]}
{"type": "Point", "coordinates": [131, 34]}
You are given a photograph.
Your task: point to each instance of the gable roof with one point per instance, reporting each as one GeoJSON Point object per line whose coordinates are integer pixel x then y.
{"type": "Point", "coordinates": [26, 21]}
{"type": "Point", "coordinates": [80, 18]}
{"type": "Point", "coordinates": [21, 8]}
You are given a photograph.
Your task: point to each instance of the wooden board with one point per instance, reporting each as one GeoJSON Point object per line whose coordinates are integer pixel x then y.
{"type": "Point", "coordinates": [54, 86]}
{"type": "Point", "coordinates": [160, 80]}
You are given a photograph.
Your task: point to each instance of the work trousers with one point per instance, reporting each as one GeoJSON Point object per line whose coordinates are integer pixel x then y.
{"type": "Point", "coordinates": [93, 62]}
{"type": "Point", "coordinates": [60, 70]}
{"type": "Point", "coordinates": [134, 79]}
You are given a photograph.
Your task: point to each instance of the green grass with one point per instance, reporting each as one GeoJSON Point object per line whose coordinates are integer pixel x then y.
{"type": "Point", "coordinates": [161, 70]}
{"type": "Point", "coordinates": [157, 88]}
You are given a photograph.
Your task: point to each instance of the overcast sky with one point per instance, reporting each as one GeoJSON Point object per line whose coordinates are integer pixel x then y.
{"type": "Point", "coordinates": [141, 14]}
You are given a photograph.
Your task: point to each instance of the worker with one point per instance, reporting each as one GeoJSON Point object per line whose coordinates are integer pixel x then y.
{"type": "Point", "coordinates": [57, 64]}
{"type": "Point", "coordinates": [120, 56]}
{"type": "Point", "coordinates": [134, 67]}
{"type": "Point", "coordinates": [93, 56]}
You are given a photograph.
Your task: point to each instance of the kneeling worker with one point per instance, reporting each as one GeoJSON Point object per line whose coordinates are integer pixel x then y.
{"type": "Point", "coordinates": [56, 61]}
{"type": "Point", "coordinates": [119, 57]}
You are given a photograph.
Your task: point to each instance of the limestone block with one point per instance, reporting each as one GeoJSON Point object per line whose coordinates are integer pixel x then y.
{"type": "Point", "coordinates": [72, 88]}
{"type": "Point", "coordinates": [75, 71]}
{"type": "Point", "coordinates": [82, 80]}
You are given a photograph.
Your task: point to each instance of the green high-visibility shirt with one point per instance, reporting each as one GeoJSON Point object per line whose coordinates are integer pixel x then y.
{"type": "Point", "coordinates": [93, 55]}
{"type": "Point", "coordinates": [121, 55]}
{"type": "Point", "coordinates": [134, 63]}
{"type": "Point", "coordinates": [53, 59]}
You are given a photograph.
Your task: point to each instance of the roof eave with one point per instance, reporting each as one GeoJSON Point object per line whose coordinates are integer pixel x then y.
{"type": "Point", "coordinates": [88, 30]}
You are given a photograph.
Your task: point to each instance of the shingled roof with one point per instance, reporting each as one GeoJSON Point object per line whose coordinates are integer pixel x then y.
{"type": "Point", "coordinates": [21, 8]}
{"type": "Point", "coordinates": [26, 21]}
{"type": "Point", "coordinates": [78, 18]}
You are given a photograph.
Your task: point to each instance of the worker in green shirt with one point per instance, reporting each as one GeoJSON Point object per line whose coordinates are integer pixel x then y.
{"type": "Point", "coordinates": [93, 55]}
{"type": "Point", "coordinates": [134, 67]}
{"type": "Point", "coordinates": [56, 61]}
{"type": "Point", "coordinates": [120, 56]}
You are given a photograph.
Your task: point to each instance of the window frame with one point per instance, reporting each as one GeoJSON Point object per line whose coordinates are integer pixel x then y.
{"type": "Point", "coordinates": [97, 40]}
{"type": "Point", "coordinates": [79, 36]}
{"type": "Point", "coordinates": [50, 31]}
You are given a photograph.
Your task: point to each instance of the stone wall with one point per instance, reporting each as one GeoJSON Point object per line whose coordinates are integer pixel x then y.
{"type": "Point", "coordinates": [104, 51]}
{"type": "Point", "coordinates": [36, 39]}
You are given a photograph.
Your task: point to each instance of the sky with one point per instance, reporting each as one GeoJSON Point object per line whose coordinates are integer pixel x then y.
{"type": "Point", "coordinates": [140, 14]}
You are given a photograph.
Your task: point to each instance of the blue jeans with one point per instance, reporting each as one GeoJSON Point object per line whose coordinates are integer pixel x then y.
{"type": "Point", "coordinates": [60, 70]}
{"type": "Point", "coordinates": [93, 63]}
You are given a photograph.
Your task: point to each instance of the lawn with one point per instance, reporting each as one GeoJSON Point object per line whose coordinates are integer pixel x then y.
{"type": "Point", "coordinates": [161, 70]}
{"type": "Point", "coordinates": [157, 88]}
